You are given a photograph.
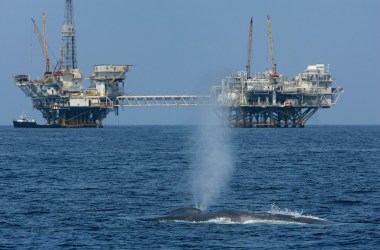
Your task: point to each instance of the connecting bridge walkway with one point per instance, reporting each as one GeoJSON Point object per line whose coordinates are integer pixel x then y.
{"type": "Point", "coordinates": [164, 100]}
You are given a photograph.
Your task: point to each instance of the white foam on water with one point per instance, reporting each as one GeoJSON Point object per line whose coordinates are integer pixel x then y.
{"type": "Point", "coordinates": [223, 220]}
{"type": "Point", "coordinates": [296, 214]}
{"type": "Point", "coordinates": [277, 210]}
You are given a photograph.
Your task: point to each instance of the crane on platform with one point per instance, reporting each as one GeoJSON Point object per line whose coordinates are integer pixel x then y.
{"type": "Point", "coordinates": [271, 50]}
{"type": "Point", "coordinates": [248, 67]}
{"type": "Point", "coordinates": [42, 40]}
{"type": "Point", "coordinates": [273, 74]}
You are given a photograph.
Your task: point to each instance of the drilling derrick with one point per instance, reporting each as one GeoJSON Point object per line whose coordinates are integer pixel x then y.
{"type": "Point", "coordinates": [68, 59]}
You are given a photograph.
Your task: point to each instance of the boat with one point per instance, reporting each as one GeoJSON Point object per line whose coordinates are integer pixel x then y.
{"type": "Point", "coordinates": [24, 122]}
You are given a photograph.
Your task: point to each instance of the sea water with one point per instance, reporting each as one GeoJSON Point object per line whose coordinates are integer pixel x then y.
{"type": "Point", "coordinates": [90, 188]}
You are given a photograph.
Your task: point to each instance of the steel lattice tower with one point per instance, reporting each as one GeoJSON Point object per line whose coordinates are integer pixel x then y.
{"type": "Point", "coordinates": [68, 49]}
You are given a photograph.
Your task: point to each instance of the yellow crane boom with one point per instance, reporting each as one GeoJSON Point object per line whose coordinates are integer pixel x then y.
{"type": "Point", "coordinates": [42, 40]}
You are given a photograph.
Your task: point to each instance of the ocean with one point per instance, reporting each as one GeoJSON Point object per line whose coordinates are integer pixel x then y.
{"type": "Point", "coordinates": [93, 188]}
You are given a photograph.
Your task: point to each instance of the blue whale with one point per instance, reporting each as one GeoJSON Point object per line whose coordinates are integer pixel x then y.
{"type": "Point", "coordinates": [234, 216]}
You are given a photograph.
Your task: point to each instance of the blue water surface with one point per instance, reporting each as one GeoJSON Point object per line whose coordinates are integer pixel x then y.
{"type": "Point", "coordinates": [90, 188]}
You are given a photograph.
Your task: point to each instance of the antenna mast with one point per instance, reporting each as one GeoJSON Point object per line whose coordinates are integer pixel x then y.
{"type": "Point", "coordinates": [68, 50]}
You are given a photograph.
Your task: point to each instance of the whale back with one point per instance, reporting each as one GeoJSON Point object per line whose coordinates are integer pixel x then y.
{"type": "Point", "coordinates": [186, 210]}
{"type": "Point", "coordinates": [234, 216]}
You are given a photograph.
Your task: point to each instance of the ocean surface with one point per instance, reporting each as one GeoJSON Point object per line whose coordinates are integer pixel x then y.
{"type": "Point", "coordinates": [91, 188]}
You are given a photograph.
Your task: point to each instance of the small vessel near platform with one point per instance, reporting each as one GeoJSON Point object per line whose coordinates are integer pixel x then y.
{"type": "Point", "coordinates": [24, 122]}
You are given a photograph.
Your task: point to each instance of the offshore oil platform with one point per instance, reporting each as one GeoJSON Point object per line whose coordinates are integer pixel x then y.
{"type": "Point", "coordinates": [266, 100]}
{"type": "Point", "coordinates": [269, 99]}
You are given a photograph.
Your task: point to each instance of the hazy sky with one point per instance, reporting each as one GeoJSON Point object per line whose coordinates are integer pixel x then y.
{"type": "Point", "coordinates": [185, 47]}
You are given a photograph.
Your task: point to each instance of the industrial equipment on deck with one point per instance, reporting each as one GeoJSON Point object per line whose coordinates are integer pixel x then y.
{"type": "Point", "coordinates": [257, 102]}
